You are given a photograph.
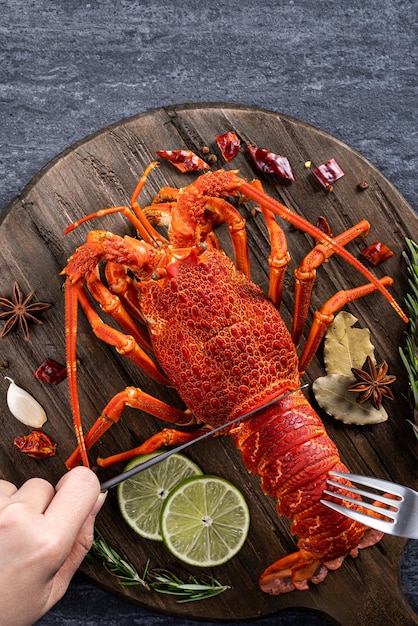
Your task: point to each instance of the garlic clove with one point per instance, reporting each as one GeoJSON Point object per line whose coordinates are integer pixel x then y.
{"type": "Point", "coordinates": [24, 407]}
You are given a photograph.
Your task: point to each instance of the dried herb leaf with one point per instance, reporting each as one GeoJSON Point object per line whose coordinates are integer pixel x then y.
{"type": "Point", "coordinates": [331, 393]}
{"type": "Point", "coordinates": [161, 581]}
{"type": "Point", "coordinates": [346, 347]}
{"type": "Point", "coordinates": [409, 352]}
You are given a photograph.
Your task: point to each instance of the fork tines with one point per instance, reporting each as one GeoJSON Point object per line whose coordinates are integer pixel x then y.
{"type": "Point", "coordinates": [395, 512]}
{"type": "Point", "coordinates": [383, 485]}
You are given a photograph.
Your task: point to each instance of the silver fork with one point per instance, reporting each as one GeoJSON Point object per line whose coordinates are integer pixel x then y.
{"type": "Point", "coordinates": [403, 521]}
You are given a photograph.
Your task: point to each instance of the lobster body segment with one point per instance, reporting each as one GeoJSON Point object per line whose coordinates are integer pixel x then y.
{"type": "Point", "coordinates": [212, 353]}
{"type": "Point", "coordinates": [192, 319]}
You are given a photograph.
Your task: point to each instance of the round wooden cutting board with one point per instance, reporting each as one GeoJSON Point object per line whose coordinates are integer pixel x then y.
{"type": "Point", "coordinates": [102, 171]}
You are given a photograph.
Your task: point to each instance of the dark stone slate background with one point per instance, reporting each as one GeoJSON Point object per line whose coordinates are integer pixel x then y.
{"type": "Point", "coordinates": [71, 67]}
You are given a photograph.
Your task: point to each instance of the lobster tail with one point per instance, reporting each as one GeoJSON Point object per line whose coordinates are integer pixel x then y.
{"type": "Point", "coordinates": [292, 572]}
{"type": "Point", "coordinates": [288, 447]}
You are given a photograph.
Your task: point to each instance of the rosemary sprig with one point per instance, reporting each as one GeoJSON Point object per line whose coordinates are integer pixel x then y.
{"type": "Point", "coordinates": [159, 580]}
{"type": "Point", "coordinates": [190, 591]}
{"type": "Point", "coordinates": [125, 571]}
{"type": "Point", "coordinates": [409, 352]}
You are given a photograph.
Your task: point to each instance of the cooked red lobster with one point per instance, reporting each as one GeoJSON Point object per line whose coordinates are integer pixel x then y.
{"type": "Point", "coordinates": [207, 330]}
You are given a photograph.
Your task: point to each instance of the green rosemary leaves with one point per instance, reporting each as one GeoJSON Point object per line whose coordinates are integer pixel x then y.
{"type": "Point", "coordinates": [159, 580]}
{"type": "Point", "coordinates": [409, 352]}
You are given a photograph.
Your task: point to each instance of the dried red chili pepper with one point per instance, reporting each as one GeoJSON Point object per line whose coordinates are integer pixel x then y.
{"type": "Point", "coordinates": [271, 163]}
{"type": "Point", "coordinates": [51, 372]}
{"type": "Point", "coordinates": [327, 173]}
{"type": "Point", "coordinates": [37, 445]}
{"type": "Point", "coordinates": [377, 252]}
{"type": "Point", "coordinates": [322, 224]}
{"type": "Point", "coordinates": [229, 144]}
{"type": "Point", "coordinates": [184, 160]}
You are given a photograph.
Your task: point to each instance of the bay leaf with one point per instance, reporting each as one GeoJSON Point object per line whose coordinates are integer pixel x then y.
{"type": "Point", "coordinates": [331, 394]}
{"type": "Point", "coordinates": [346, 347]}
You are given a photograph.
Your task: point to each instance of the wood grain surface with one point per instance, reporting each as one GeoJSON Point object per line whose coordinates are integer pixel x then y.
{"type": "Point", "coordinates": [102, 171]}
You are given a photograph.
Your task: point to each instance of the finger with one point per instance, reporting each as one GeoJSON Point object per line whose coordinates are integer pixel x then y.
{"type": "Point", "coordinates": [73, 561]}
{"type": "Point", "coordinates": [7, 489]}
{"type": "Point", "coordinates": [36, 493]}
{"type": "Point", "coordinates": [75, 498]}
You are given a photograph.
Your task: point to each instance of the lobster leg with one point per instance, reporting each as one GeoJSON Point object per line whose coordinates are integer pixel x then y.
{"type": "Point", "coordinates": [74, 296]}
{"type": "Point", "coordinates": [123, 285]}
{"type": "Point", "coordinates": [137, 399]}
{"type": "Point", "coordinates": [161, 207]}
{"type": "Point", "coordinates": [104, 246]}
{"type": "Point", "coordinates": [142, 226]}
{"type": "Point", "coordinates": [279, 257]}
{"type": "Point", "coordinates": [133, 213]}
{"type": "Point", "coordinates": [124, 344]}
{"type": "Point", "coordinates": [71, 308]}
{"type": "Point", "coordinates": [285, 213]}
{"type": "Point", "coordinates": [306, 272]}
{"type": "Point", "coordinates": [223, 211]}
{"type": "Point", "coordinates": [192, 215]}
{"type": "Point", "coordinates": [166, 437]}
{"type": "Point", "coordinates": [324, 317]}
{"type": "Point", "coordinates": [146, 226]}
{"type": "Point", "coordinates": [159, 212]}
{"type": "Point", "coordinates": [110, 303]}
{"type": "Point", "coordinates": [166, 195]}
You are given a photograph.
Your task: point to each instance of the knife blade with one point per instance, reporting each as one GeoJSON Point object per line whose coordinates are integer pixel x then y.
{"type": "Point", "coordinates": [112, 482]}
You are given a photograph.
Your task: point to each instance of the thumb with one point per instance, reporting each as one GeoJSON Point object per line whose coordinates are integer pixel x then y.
{"type": "Point", "coordinates": [76, 555]}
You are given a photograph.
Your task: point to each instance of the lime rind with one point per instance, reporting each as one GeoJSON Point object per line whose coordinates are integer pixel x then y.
{"type": "Point", "coordinates": [204, 521]}
{"type": "Point", "coordinates": [141, 497]}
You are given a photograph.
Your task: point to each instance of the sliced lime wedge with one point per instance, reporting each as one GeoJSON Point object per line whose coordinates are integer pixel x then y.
{"type": "Point", "coordinates": [204, 521]}
{"type": "Point", "coordinates": [141, 497]}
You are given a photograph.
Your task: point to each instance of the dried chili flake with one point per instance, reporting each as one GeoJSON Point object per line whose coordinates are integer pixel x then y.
{"type": "Point", "coordinates": [271, 163]}
{"type": "Point", "coordinates": [229, 144]}
{"type": "Point", "coordinates": [327, 173]}
{"type": "Point", "coordinates": [51, 372]}
{"type": "Point", "coordinates": [37, 445]}
{"type": "Point", "coordinates": [184, 160]}
{"type": "Point", "coordinates": [377, 252]}
{"type": "Point", "coordinates": [323, 225]}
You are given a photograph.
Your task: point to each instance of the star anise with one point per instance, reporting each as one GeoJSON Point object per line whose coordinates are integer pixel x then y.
{"type": "Point", "coordinates": [373, 384]}
{"type": "Point", "coordinates": [20, 310]}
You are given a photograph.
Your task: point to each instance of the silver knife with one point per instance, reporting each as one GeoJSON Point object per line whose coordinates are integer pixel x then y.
{"type": "Point", "coordinates": [112, 482]}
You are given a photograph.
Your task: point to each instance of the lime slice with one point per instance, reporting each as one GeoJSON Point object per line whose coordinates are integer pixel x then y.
{"type": "Point", "coordinates": [204, 521]}
{"type": "Point", "coordinates": [141, 497]}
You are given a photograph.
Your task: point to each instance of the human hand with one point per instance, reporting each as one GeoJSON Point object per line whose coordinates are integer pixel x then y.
{"type": "Point", "coordinates": [45, 534]}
